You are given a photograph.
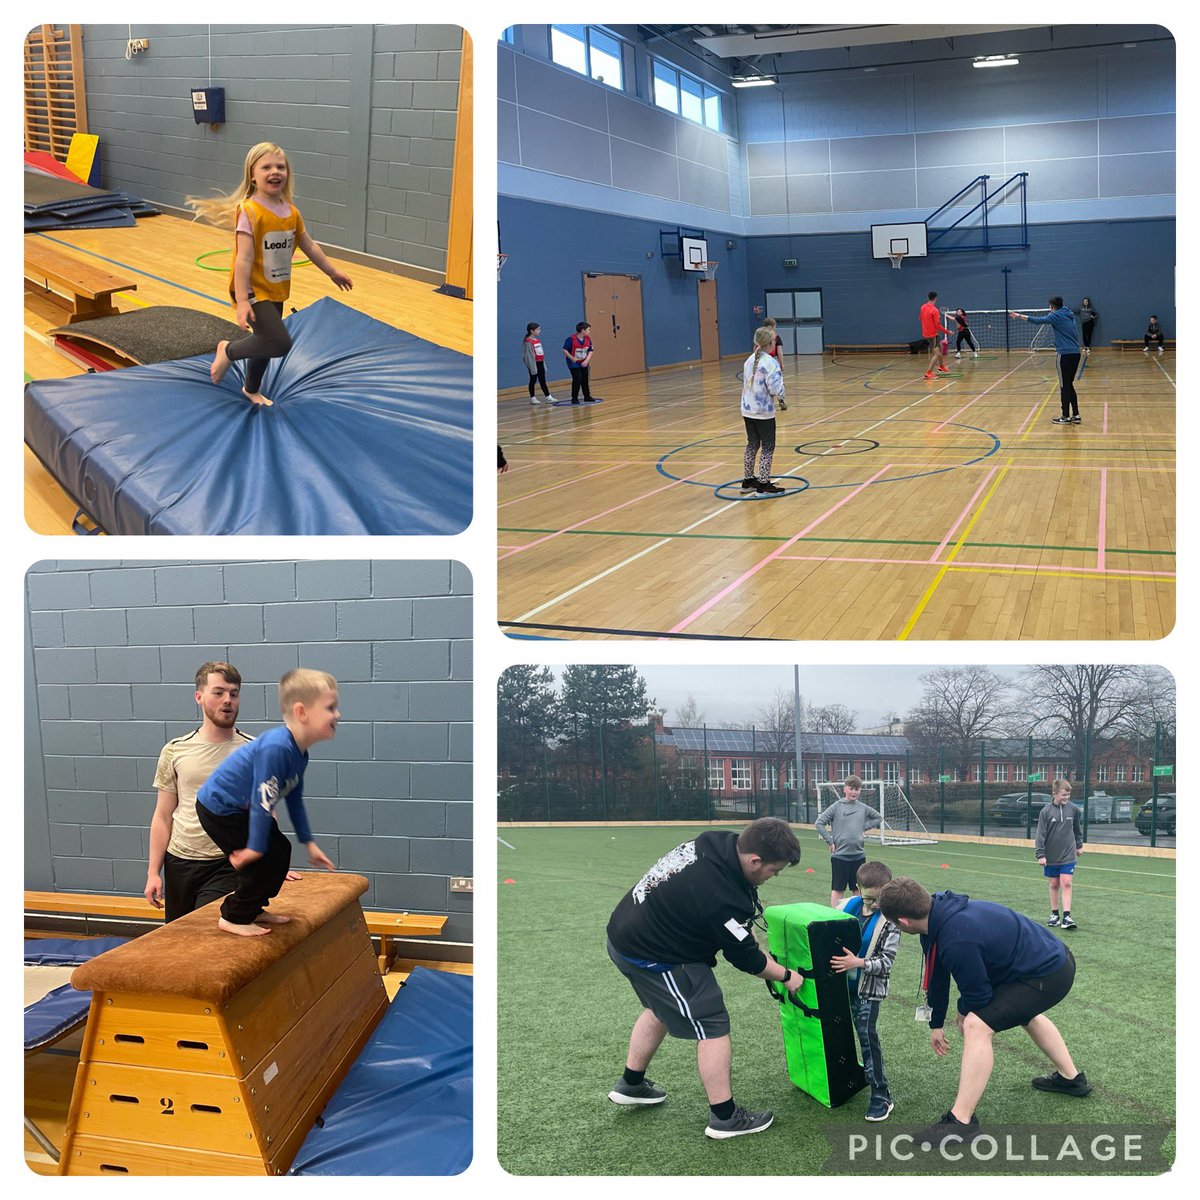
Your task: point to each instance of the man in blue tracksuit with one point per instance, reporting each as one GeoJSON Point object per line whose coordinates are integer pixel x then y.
{"type": "Point", "coordinates": [1009, 971]}
{"type": "Point", "coordinates": [1066, 343]}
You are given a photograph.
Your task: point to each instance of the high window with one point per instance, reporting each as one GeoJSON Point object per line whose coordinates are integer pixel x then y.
{"type": "Point", "coordinates": [588, 50]}
{"type": "Point", "coordinates": [685, 96]}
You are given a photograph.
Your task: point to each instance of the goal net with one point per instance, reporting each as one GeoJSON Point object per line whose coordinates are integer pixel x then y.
{"type": "Point", "coordinates": [901, 825]}
{"type": "Point", "coordinates": [994, 329]}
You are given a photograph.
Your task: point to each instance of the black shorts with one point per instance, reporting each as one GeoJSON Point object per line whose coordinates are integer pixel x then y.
{"type": "Point", "coordinates": [1014, 1004]}
{"type": "Point", "coordinates": [845, 872]}
{"type": "Point", "coordinates": [686, 999]}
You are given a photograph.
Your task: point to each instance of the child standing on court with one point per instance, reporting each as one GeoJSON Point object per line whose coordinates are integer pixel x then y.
{"type": "Point", "coordinates": [762, 386]}
{"type": "Point", "coordinates": [578, 349]}
{"type": "Point", "coordinates": [868, 974]}
{"type": "Point", "coordinates": [268, 227]}
{"type": "Point", "coordinates": [1058, 844]}
{"type": "Point", "coordinates": [842, 826]}
{"type": "Point", "coordinates": [236, 806]}
{"type": "Point", "coordinates": [1087, 323]}
{"type": "Point", "coordinates": [776, 351]}
{"type": "Point", "coordinates": [964, 334]}
{"type": "Point", "coordinates": [534, 358]}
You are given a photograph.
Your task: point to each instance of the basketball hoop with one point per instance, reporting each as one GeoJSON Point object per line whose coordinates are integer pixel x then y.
{"type": "Point", "coordinates": [709, 268]}
{"type": "Point", "coordinates": [501, 259]}
{"type": "Point", "coordinates": [897, 259]}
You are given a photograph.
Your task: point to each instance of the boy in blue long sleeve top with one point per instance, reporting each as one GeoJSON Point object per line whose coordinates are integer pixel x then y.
{"type": "Point", "coordinates": [1009, 971]}
{"type": "Point", "coordinates": [1066, 342]}
{"type": "Point", "coordinates": [236, 806]}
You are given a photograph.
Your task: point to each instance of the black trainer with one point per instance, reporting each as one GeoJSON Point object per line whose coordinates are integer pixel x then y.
{"type": "Point", "coordinates": [749, 485]}
{"type": "Point", "coordinates": [741, 1122]}
{"type": "Point", "coordinates": [1054, 1082]}
{"type": "Point", "coordinates": [636, 1093]}
{"type": "Point", "coordinates": [769, 489]}
{"type": "Point", "coordinates": [949, 1126]}
{"type": "Point", "coordinates": [1068, 922]}
{"type": "Point", "coordinates": [1054, 921]}
{"type": "Point", "coordinates": [1061, 421]}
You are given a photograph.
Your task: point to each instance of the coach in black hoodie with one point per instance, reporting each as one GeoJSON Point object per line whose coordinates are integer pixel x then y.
{"type": "Point", "coordinates": [664, 937]}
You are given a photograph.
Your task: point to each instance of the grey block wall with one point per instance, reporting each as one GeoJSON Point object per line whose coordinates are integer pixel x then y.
{"type": "Point", "coordinates": [367, 114]}
{"type": "Point", "coordinates": [112, 648]}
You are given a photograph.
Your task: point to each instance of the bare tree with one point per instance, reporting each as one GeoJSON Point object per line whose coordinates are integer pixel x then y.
{"type": "Point", "coordinates": [832, 718]}
{"type": "Point", "coordinates": [960, 705]}
{"type": "Point", "coordinates": [776, 733]}
{"type": "Point", "coordinates": [688, 715]}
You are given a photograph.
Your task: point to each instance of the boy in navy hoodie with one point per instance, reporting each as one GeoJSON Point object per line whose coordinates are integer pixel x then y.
{"type": "Point", "coordinates": [1009, 971]}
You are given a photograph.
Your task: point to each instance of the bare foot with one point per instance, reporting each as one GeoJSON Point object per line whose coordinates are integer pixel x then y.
{"type": "Point", "coordinates": [266, 918]}
{"type": "Point", "coordinates": [242, 930]}
{"type": "Point", "coordinates": [256, 397]}
{"type": "Point", "coordinates": [220, 363]}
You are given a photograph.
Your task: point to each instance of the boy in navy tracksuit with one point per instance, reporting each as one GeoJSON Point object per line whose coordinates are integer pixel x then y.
{"type": "Point", "coordinates": [1009, 971]}
{"type": "Point", "coordinates": [236, 806]}
{"type": "Point", "coordinates": [1066, 342]}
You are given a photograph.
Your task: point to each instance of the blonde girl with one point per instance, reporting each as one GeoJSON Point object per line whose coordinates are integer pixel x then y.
{"type": "Point", "coordinates": [762, 386]}
{"type": "Point", "coordinates": [268, 227]}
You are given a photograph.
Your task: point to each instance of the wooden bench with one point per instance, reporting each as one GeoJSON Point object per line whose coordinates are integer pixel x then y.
{"type": "Point", "coordinates": [1138, 344]}
{"type": "Point", "coordinates": [83, 290]}
{"type": "Point", "coordinates": [211, 1054]}
{"type": "Point", "coordinates": [869, 347]}
{"type": "Point", "coordinates": [386, 926]}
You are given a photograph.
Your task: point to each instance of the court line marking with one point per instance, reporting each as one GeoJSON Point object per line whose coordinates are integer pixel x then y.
{"type": "Point", "coordinates": [776, 553]}
{"type": "Point", "coordinates": [566, 483]}
{"type": "Point", "coordinates": [1158, 364]}
{"type": "Point", "coordinates": [1103, 531]}
{"type": "Point", "coordinates": [1024, 362]}
{"type": "Point", "coordinates": [961, 517]}
{"type": "Point", "coordinates": [1073, 573]}
{"type": "Point", "coordinates": [605, 513]}
{"type": "Point", "coordinates": [1104, 427]}
{"type": "Point", "coordinates": [948, 849]}
{"type": "Point", "coordinates": [994, 568]}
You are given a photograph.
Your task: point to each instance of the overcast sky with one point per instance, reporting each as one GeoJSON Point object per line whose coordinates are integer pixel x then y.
{"type": "Point", "coordinates": [735, 694]}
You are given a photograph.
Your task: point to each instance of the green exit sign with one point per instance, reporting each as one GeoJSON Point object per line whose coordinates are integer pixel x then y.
{"type": "Point", "coordinates": [1035, 778]}
{"type": "Point", "coordinates": [790, 262]}
{"type": "Point", "coordinates": [944, 779]}
{"type": "Point", "coordinates": [1164, 770]}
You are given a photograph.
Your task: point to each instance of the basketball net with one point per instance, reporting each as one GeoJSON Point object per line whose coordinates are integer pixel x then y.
{"type": "Point", "coordinates": [709, 268]}
{"type": "Point", "coordinates": [897, 259]}
{"type": "Point", "coordinates": [501, 259]}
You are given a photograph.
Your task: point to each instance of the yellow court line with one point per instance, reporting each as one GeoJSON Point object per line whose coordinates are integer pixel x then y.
{"type": "Point", "coordinates": [923, 603]}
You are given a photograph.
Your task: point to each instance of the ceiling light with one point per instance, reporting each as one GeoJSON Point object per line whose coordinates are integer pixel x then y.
{"type": "Point", "coordinates": [997, 60]}
{"type": "Point", "coordinates": [753, 80]}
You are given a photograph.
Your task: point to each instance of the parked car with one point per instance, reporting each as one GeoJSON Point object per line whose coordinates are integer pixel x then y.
{"type": "Point", "coordinates": [1166, 816]}
{"type": "Point", "coordinates": [1015, 807]}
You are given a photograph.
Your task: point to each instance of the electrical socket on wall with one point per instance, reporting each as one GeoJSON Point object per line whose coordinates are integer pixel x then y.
{"type": "Point", "coordinates": [461, 883]}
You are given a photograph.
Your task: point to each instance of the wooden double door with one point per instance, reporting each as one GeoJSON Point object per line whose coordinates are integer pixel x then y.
{"type": "Point", "coordinates": [613, 304]}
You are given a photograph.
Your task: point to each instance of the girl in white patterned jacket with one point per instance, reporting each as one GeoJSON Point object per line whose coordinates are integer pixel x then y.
{"type": "Point", "coordinates": [762, 386]}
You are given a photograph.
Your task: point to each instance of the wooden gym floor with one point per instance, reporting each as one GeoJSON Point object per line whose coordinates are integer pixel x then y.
{"type": "Point", "coordinates": [159, 253]}
{"type": "Point", "coordinates": [949, 509]}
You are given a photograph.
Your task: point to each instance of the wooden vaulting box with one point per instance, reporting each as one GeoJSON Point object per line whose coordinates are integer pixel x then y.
{"type": "Point", "coordinates": [210, 1054]}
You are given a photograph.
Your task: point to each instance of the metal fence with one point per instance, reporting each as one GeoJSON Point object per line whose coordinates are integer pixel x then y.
{"type": "Point", "coordinates": [565, 784]}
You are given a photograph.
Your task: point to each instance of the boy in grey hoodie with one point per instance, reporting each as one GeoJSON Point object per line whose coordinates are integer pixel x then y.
{"type": "Point", "coordinates": [1058, 844]}
{"type": "Point", "coordinates": [842, 826]}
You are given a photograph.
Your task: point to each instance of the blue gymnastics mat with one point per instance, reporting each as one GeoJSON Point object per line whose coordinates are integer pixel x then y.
{"type": "Point", "coordinates": [370, 433]}
{"type": "Point", "coordinates": [405, 1106]}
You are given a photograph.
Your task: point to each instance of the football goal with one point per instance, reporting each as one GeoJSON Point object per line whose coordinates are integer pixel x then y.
{"type": "Point", "coordinates": [901, 825]}
{"type": "Point", "coordinates": [994, 329]}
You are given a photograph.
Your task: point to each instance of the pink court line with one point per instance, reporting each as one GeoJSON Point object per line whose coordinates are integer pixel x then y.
{"type": "Point", "coordinates": [972, 565]}
{"type": "Point", "coordinates": [1104, 427]}
{"type": "Point", "coordinates": [1103, 518]}
{"type": "Point", "coordinates": [962, 516]}
{"type": "Point", "coordinates": [1028, 419]}
{"type": "Point", "coordinates": [737, 583]}
{"type": "Point", "coordinates": [981, 395]}
{"type": "Point", "coordinates": [607, 511]}
{"type": "Point", "coordinates": [568, 483]}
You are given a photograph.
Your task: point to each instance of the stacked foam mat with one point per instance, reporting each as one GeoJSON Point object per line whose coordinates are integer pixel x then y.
{"type": "Point", "coordinates": [818, 1030]}
{"type": "Point", "coordinates": [55, 203]}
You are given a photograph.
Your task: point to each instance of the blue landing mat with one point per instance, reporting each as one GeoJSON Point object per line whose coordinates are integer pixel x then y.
{"type": "Point", "coordinates": [405, 1106]}
{"type": "Point", "coordinates": [370, 433]}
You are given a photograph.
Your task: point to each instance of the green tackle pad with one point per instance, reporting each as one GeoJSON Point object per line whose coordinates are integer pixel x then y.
{"type": "Point", "coordinates": [819, 1038]}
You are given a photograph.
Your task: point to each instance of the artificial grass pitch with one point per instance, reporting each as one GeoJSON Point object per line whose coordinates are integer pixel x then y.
{"type": "Point", "coordinates": [565, 1013]}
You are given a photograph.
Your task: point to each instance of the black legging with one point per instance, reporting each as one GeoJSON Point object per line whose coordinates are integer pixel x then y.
{"type": "Point", "coordinates": [759, 434]}
{"type": "Point", "coordinates": [540, 377]}
{"type": "Point", "coordinates": [1068, 364]}
{"type": "Point", "coordinates": [267, 339]}
{"type": "Point", "coordinates": [1088, 328]}
{"type": "Point", "coordinates": [964, 332]}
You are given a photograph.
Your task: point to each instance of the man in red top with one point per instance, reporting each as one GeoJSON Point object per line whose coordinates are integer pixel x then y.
{"type": "Point", "coordinates": [931, 330]}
